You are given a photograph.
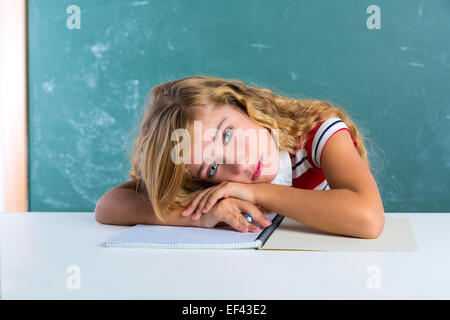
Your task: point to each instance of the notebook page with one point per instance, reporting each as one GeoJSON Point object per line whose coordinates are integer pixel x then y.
{"type": "Point", "coordinates": [397, 236]}
{"type": "Point", "coordinates": [151, 236]}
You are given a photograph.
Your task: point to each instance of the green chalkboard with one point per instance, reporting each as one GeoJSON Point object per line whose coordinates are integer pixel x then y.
{"type": "Point", "coordinates": [87, 85]}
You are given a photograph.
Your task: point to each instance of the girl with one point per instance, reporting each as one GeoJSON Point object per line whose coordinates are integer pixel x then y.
{"type": "Point", "coordinates": [182, 182]}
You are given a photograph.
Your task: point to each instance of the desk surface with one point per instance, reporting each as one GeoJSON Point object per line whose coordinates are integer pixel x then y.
{"type": "Point", "coordinates": [37, 250]}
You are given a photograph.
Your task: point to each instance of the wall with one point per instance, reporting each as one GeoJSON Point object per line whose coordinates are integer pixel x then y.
{"type": "Point", "coordinates": [1, 136]}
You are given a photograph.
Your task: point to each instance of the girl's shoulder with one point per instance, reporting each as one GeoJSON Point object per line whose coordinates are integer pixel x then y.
{"type": "Point", "coordinates": [317, 137]}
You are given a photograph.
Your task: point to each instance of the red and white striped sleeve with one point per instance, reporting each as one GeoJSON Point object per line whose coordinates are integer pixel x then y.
{"type": "Point", "coordinates": [319, 136]}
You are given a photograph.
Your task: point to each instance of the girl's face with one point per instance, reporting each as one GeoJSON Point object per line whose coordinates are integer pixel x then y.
{"type": "Point", "coordinates": [227, 146]}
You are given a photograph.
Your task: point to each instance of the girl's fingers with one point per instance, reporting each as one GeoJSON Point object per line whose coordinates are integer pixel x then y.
{"type": "Point", "coordinates": [255, 213]}
{"type": "Point", "coordinates": [194, 206]}
{"type": "Point", "coordinates": [234, 221]}
{"type": "Point", "coordinates": [193, 203]}
{"type": "Point", "coordinates": [212, 199]}
{"type": "Point", "coordinates": [198, 211]}
{"type": "Point", "coordinates": [237, 221]}
{"type": "Point", "coordinates": [185, 213]}
{"type": "Point", "coordinates": [250, 227]}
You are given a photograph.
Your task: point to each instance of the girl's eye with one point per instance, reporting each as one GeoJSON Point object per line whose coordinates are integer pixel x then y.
{"type": "Point", "coordinates": [227, 135]}
{"type": "Point", "coordinates": [213, 170]}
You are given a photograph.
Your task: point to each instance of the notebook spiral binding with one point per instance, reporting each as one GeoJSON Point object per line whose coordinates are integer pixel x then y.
{"type": "Point", "coordinates": [254, 244]}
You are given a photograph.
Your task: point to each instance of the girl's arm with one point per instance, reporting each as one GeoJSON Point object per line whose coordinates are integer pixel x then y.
{"type": "Point", "coordinates": [124, 205]}
{"type": "Point", "coordinates": [352, 207]}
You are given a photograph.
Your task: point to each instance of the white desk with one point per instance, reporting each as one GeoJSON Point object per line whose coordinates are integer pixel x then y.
{"type": "Point", "coordinates": [37, 248]}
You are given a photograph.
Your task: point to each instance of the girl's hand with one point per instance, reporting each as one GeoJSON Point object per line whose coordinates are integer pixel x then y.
{"type": "Point", "coordinates": [204, 201]}
{"type": "Point", "coordinates": [231, 211]}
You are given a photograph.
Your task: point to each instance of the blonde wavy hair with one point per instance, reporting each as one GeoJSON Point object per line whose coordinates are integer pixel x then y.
{"type": "Point", "coordinates": [168, 107]}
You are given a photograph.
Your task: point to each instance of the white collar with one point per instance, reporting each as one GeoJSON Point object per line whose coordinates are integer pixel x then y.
{"type": "Point", "coordinates": [284, 175]}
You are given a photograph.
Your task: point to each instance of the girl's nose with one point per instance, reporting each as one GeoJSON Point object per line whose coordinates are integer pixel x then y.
{"type": "Point", "coordinates": [242, 169]}
{"type": "Point", "coordinates": [237, 164]}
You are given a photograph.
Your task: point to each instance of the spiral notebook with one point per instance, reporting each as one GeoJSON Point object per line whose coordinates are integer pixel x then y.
{"type": "Point", "coordinates": [283, 234]}
{"type": "Point", "coordinates": [225, 237]}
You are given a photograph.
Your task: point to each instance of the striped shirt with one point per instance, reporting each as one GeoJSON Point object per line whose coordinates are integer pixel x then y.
{"type": "Point", "coordinates": [306, 170]}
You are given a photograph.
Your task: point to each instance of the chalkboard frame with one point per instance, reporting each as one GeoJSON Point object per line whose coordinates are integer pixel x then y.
{"type": "Point", "coordinates": [14, 104]}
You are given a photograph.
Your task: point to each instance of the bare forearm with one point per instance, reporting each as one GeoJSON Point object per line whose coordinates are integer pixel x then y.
{"type": "Point", "coordinates": [339, 211]}
{"type": "Point", "coordinates": [123, 205]}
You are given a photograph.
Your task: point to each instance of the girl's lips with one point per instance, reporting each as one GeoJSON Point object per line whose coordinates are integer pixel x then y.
{"type": "Point", "coordinates": [257, 172]}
